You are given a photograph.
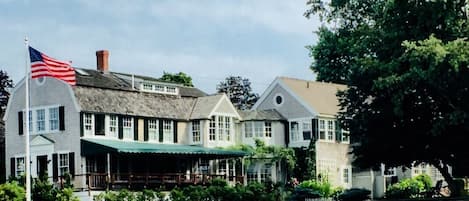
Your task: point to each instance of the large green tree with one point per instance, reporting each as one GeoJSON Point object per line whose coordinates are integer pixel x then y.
{"type": "Point", "coordinates": [406, 65]}
{"type": "Point", "coordinates": [5, 85]}
{"type": "Point", "coordinates": [239, 91]}
{"type": "Point", "coordinates": [180, 78]}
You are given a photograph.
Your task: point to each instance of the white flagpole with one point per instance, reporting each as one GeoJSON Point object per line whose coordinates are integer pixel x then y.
{"type": "Point", "coordinates": [28, 155]}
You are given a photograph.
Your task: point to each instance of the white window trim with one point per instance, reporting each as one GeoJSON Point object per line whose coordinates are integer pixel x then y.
{"type": "Point", "coordinates": [383, 171]}
{"type": "Point", "coordinates": [156, 137]}
{"type": "Point", "coordinates": [107, 122]}
{"type": "Point", "coordinates": [132, 124]}
{"type": "Point", "coordinates": [154, 86]}
{"type": "Point", "coordinates": [326, 130]}
{"type": "Point", "coordinates": [168, 137]}
{"type": "Point", "coordinates": [191, 132]}
{"type": "Point", "coordinates": [58, 162]}
{"type": "Point", "coordinates": [253, 129]}
{"type": "Point", "coordinates": [274, 100]}
{"type": "Point", "coordinates": [300, 122]}
{"type": "Point", "coordinates": [344, 131]}
{"type": "Point", "coordinates": [342, 172]}
{"type": "Point", "coordinates": [90, 132]}
{"type": "Point", "coordinates": [16, 164]}
{"type": "Point", "coordinates": [223, 129]}
{"type": "Point", "coordinates": [33, 115]}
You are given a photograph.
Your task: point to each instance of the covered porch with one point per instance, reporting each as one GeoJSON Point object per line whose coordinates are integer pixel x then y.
{"type": "Point", "coordinates": [130, 164]}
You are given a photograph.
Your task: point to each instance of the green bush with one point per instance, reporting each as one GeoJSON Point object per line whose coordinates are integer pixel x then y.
{"type": "Point", "coordinates": [12, 191]}
{"type": "Point", "coordinates": [323, 188]}
{"type": "Point", "coordinates": [410, 188]}
{"type": "Point", "coordinates": [354, 194]}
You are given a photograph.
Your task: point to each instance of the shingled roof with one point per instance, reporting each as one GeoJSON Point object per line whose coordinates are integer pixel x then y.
{"type": "Point", "coordinates": [204, 106]}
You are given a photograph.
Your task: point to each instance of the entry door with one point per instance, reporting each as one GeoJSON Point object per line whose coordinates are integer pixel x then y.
{"type": "Point", "coordinates": [42, 165]}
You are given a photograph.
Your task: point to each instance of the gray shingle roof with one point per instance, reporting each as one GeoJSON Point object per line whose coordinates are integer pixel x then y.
{"type": "Point", "coordinates": [205, 105]}
{"type": "Point", "coordinates": [260, 115]}
{"type": "Point", "coordinates": [92, 99]}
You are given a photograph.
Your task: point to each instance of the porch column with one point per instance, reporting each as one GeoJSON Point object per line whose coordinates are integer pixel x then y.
{"type": "Point", "coordinates": [108, 166]}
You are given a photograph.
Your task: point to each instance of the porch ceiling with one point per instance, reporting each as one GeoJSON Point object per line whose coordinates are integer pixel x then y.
{"type": "Point", "coordinates": [103, 146]}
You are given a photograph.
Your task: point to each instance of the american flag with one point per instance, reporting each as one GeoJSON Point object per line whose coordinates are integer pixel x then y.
{"type": "Point", "coordinates": [45, 66]}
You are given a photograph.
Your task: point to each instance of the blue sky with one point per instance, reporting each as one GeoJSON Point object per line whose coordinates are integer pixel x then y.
{"type": "Point", "coordinates": [207, 39]}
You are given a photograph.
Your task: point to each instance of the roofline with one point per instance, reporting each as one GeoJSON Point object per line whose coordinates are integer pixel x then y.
{"type": "Point", "coordinates": [224, 96]}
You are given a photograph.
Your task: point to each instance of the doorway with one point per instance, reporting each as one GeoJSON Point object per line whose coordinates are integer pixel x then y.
{"type": "Point", "coordinates": [42, 166]}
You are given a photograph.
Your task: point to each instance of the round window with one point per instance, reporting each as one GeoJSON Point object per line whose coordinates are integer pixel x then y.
{"type": "Point", "coordinates": [40, 81]}
{"type": "Point", "coordinates": [278, 99]}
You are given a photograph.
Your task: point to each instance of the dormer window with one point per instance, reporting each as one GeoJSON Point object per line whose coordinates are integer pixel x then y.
{"type": "Point", "coordinates": [158, 88]}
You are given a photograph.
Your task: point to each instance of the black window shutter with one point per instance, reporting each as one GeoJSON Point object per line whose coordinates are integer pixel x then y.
{"type": "Point", "coordinates": [314, 126]}
{"type": "Point", "coordinates": [136, 129]}
{"type": "Point", "coordinates": [81, 124]}
{"type": "Point", "coordinates": [20, 123]}
{"type": "Point", "coordinates": [99, 124]}
{"type": "Point", "coordinates": [338, 132]}
{"type": "Point", "coordinates": [12, 167]}
{"type": "Point", "coordinates": [175, 129]}
{"type": "Point", "coordinates": [62, 118]}
{"type": "Point", "coordinates": [120, 128]}
{"type": "Point", "coordinates": [55, 167]}
{"type": "Point", "coordinates": [71, 163]}
{"type": "Point", "coordinates": [145, 129]}
{"type": "Point", "coordinates": [160, 127]}
{"type": "Point", "coordinates": [286, 126]}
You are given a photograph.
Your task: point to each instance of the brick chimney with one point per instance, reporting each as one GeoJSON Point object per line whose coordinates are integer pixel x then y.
{"type": "Point", "coordinates": [102, 60]}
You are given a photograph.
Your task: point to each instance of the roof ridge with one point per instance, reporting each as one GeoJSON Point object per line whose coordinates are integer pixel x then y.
{"type": "Point", "coordinates": [311, 81]}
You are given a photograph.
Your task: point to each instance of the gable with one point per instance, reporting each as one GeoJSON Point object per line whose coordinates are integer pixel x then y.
{"type": "Point", "coordinates": [225, 107]}
{"type": "Point", "coordinates": [41, 140]}
{"type": "Point", "coordinates": [290, 106]}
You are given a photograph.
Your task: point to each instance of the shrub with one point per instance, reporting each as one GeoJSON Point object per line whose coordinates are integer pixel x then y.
{"type": "Point", "coordinates": [12, 191]}
{"type": "Point", "coordinates": [300, 193]}
{"type": "Point", "coordinates": [323, 188]}
{"type": "Point", "coordinates": [354, 194]}
{"type": "Point", "coordinates": [410, 188]}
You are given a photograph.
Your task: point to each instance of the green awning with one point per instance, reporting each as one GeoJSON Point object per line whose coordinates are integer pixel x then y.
{"type": "Point", "coordinates": [102, 146]}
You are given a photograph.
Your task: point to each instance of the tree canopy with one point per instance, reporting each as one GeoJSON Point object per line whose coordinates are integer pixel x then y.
{"type": "Point", "coordinates": [406, 67]}
{"type": "Point", "coordinates": [180, 78]}
{"type": "Point", "coordinates": [5, 84]}
{"type": "Point", "coordinates": [239, 91]}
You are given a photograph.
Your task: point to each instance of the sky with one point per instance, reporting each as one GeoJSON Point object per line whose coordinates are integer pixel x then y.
{"type": "Point", "coordinates": [206, 39]}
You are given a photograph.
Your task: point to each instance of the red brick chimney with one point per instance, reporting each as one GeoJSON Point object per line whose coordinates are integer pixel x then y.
{"type": "Point", "coordinates": [102, 60]}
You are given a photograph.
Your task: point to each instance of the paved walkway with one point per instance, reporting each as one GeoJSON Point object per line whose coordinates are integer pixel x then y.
{"type": "Point", "coordinates": [83, 195]}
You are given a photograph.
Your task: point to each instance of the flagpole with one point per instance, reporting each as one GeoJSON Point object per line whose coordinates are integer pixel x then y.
{"type": "Point", "coordinates": [28, 154]}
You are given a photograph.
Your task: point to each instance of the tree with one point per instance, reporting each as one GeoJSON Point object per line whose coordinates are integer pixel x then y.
{"type": "Point", "coordinates": [406, 67]}
{"type": "Point", "coordinates": [5, 84]}
{"type": "Point", "coordinates": [180, 78]}
{"type": "Point", "coordinates": [239, 91]}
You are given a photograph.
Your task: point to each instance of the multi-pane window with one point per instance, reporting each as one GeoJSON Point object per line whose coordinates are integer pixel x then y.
{"type": "Point", "coordinates": [153, 130]}
{"type": "Point", "coordinates": [127, 127]}
{"type": "Point", "coordinates": [54, 118]}
{"type": "Point", "coordinates": [212, 129]}
{"type": "Point", "coordinates": [345, 136]}
{"type": "Point", "coordinates": [203, 166]}
{"type": "Point", "coordinates": [88, 124]}
{"type": "Point", "coordinates": [196, 131]}
{"type": "Point", "coordinates": [294, 131]}
{"type": "Point", "coordinates": [228, 128]}
{"type": "Point", "coordinates": [159, 88]}
{"type": "Point", "coordinates": [221, 127]}
{"type": "Point", "coordinates": [248, 129]}
{"type": "Point", "coordinates": [30, 121]}
{"type": "Point", "coordinates": [171, 89]}
{"type": "Point", "coordinates": [327, 169]}
{"type": "Point", "coordinates": [148, 87]}
{"type": "Point", "coordinates": [63, 164]}
{"type": "Point", "coordinates": [168, 135]}
{"type": "Point", "coordinates": [20, 166]}
{"type": "Point", "coordinates": [322, 129]}
{"type": "Point", "coordinates": [330, 130]}
{"type": "Point", "coordinates": [266, 172]}
{"type": "Point", "coordinates": [40, 120]}
{"type": "Point", "coordinates": [268, 129]}
{"type": "Point", "coordinates": [113, 125]}
{"type": "Point", "coordinates": [346, 175]}
{"type": "Point", "coordinates": [252, 174]}
{"type": "Point", "coordinates": [259, 129]}
{"type": "Point", "coordinates": [306, 130]}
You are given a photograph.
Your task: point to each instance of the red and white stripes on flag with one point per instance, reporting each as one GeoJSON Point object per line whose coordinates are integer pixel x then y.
{"type": "Point", "coordinates": [45, 66]}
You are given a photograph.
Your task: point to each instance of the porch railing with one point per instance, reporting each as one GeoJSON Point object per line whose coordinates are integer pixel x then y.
{"type": "Point", "coordinates": [101, 180]}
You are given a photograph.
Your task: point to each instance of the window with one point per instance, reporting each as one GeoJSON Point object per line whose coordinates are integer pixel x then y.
{"type": "Point", "coordinates": [159, 88]}
{"type": "Point", "coordinates": [147, 87]}
{"type": "Point", "coordinates": [222, 167]}
{"type": "Point", "coordinates": [20, 166]}
{"type": "Point", "coordinates": [30, 121]}
{"type": "Point", "coordinates": [266, 172]}
{"type": "Point", "coordinates": [259, 129]}
{"type": "Point", "coordinates": [168, 135]}
{"type": "Point", "coordinates": [171, 89]}
{"type": "Point", "coordinates": [330, 130]}
{"type": "Point", "coordinates": [345, 136]}
{"type": "Point", "coordinates": [54, 118]}
{"type": "Point", "coordinates": [278, 100]}
{"type": "Point", "coordinates": [294, 131]}
{"type": "Point", "coordinates": [203, 166]}
{"type": "Point", "coordinates": [248, 129]}
{"type": "Point", "coordinates": [327, 169]}
{"type": "Point", "coordinates": [113, 125]}
{"type": "Point", "coordinates": [268, 129]}
{"type": "Point", "coordinates": [387, 172]}
{"type": "Point", "coordinates": [40, 120]}
{"type": "Point", "coordinates": [322, 129]}
{"type": "Point", "coordinates": [221, 128]}
{"type": "Point", "coordinates": [346, 175]}
{"type": "Point", "coordinates": [88, 124]}
{"type": "Point", "coordinates": [153, 134]}
{"type": "Point", "coordinates": [251, 173]}
{"type": "Point", "coordinates": [306, 130]}
{"type": "Point", "coordinates": [63, 164]}
{"type": "Point", "coordinates": [212, 129]}
{"type": "Point", "coordinates": [196, 131]}
{"type": "Point", "coordinates": [127, 128]}
{"type": "Point", "coordinates": [228, 128]}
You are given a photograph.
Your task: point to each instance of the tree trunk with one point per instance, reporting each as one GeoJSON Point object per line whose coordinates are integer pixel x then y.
{"type": "Point", "coordinates": [443, 169]}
